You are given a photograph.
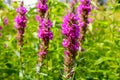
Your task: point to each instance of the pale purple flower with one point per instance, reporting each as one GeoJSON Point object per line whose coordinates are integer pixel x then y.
{"type": "Point", "coordinates": [38, 19]}
{"type": "Point", "coordinates": [42, 53]}
{"type": "Point", "coordinates": [66, 43]}
{"type": "Point", "coordinates": [5, 21]}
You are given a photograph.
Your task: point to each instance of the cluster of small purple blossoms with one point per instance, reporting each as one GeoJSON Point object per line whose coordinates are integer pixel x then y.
{"type": "Point", "coordinates": [45, 34]}
{"type": "Point", "coordinates": [0, 30]}
{"type": "Point", "coordinates": [20, 24]}
{"type": "Point", "coordinates": [42, 7]}
{"type": "Point", "coordinates": [44, 31]}
{"type": "Point", "coordinates": [83, 12]}
{"type": "Point", "coordinates": [71, 32]}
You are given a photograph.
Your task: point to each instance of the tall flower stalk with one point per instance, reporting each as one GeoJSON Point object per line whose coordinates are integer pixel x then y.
{"type": "Point", "coordinates": [20, 24]}
{"type": "Point", "coordinates": [83, 12]}
{"type": "Point", "coordinates": [71, 32]}
{"type": "Point", "coordinates": [44, 32]}
{"type": "Point", "coordinates": [0, 30]}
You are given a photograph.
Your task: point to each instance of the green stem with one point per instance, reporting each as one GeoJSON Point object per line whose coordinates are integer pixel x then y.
{"type": "Point", "coordinates": [21, 73]}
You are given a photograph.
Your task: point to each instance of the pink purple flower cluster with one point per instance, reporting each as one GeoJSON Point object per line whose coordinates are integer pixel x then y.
{"type": "Point", "coordinates": [20, 19]}
{"type": "Point", "coordinates": [42, 6]}
{"type": "Point", "coordinates": [83, 12]}
{"type": "Point", "coordinates": [0, 30]}
{"type": "Point", "coordinates": [71, 31]}
{"type": "Point", "coordinates": [21, 10]}
{"type": "Point", "coordinates": [20, 24]}
{"type": "Point", "coordinates": [44, 30]}
{"type": "Point", "coordinates": [45, 25]}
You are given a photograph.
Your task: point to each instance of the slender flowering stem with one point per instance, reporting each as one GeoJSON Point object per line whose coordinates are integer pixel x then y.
{"type": "Point", "coordinates": [0, 30]}
{"type": "Point", "coordinates": [83, 12]}
{"type": "Point", "coordinates": [44, 32]}
{"type": "Point", "coordinates": [71, 32]}
{"type": "Point", "coordinates": [20, 25]}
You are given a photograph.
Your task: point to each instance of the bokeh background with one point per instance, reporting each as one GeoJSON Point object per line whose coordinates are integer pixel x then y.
{"type": "Point", "coordinates": [100, 59]}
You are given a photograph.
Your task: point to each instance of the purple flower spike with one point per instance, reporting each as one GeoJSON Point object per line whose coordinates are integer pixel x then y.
{"type": "Point", "coordinates": [0, 30]}
{"type": "Point", "coordinates": [44, 32]}
{"type": "Point", "coordinates": [20, 23]}
{"type": "Point", "coordinates": [71, 32]}
{"type": "Point", "coordinates": [83, 12]}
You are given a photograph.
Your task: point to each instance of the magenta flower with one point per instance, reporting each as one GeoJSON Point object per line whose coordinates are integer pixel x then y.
{"type": "Point", "coordinates": [20, 21]}
{"type": "Point", "coordinates": [44, 29]}
{"type": "Point", "coordinates": [38, 19]}
{"type": "Point", "coordinates": [44, 32]}
{"type": "Point", "coordinates": [71, 32]}
{"type": "Point", "coordinates": [42, 53]}
{"type": "Point", "coordinates": [21, 10]}
{"type": "Point", "coordinates": [83, 12]}
{"type": "Point", "coordinates": [0, 28]}
{"type": "Point", "coordinates": [66, 43]}
{"type": "Point", "coordinates": [20, 24]}
{"type": "Point", "coordinates": [5, 21]}
{"type": "Point", "coordinates": [42, 6]}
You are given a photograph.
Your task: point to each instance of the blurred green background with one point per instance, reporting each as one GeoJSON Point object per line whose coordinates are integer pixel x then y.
{"type": "Point", "coordinates": [99, 61]}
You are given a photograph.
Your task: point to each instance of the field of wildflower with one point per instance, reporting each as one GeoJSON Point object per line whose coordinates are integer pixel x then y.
{"type": "Point", "coordinates": [56, 40]}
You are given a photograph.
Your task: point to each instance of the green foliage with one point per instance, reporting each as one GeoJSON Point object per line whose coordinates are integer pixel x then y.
{"type": "Point", "coordinates": [100, 61]}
